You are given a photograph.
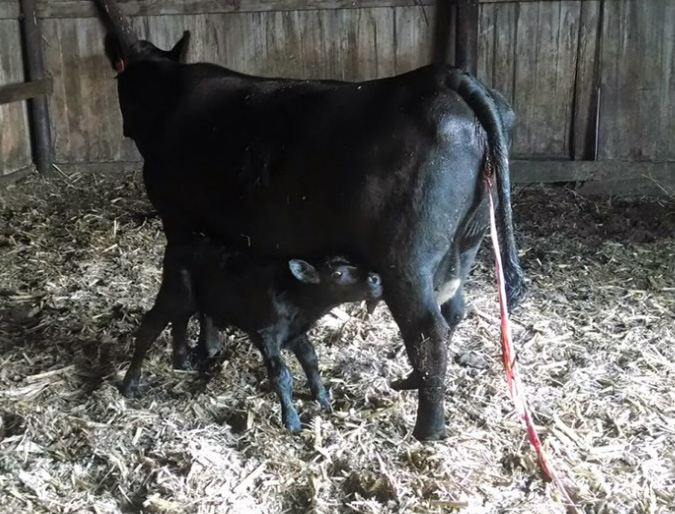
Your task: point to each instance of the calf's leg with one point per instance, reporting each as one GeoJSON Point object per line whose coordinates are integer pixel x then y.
{"type": "Point", "coordinates": [280, 377]}
{"type": "Point", "coordinates": [181, 352]}
{"type": "Point", "coordinates": [154, 321]}
{"type": "Point", "coordinates": [304, 351]}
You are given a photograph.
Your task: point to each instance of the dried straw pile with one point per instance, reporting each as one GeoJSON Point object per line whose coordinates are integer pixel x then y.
{"type": "Point", "coordinates": [79, 262]}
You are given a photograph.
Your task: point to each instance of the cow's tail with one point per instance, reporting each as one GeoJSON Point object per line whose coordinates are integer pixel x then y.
{"type": "Point", "coordinates": [481, 101]}
{"type": "Point", "coordinates": [116, 23]}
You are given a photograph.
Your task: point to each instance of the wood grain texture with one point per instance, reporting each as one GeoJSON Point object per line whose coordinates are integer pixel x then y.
{"type": "Point", "coordinates": [9, 10]}
{"type": "Point", "coordinates": [585, 98]}
{"type": "Point", "coordinates": [637, 115]}
{"type": "Point", "coordinates": [85, 8]}
{"type": "Point", "coordinates": [528, 51]}
{"type": "Point", "coordinates": [24, 90]}
{"type": "Point", "coordinates": [349, 44]}
{"type": "Point", "coordinates": [14, 135]}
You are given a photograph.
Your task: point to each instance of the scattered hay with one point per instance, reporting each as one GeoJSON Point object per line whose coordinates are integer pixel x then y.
{"type": "Point", "coordinates": [79, 263]}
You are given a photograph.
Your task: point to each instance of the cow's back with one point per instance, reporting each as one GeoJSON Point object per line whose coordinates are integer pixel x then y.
{"type": "Point", "coordinates": [300, 168]}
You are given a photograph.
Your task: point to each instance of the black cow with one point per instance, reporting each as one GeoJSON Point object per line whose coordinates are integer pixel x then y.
{"type": "Point", "coordinates": [275, 302]}
{"type": "Point", "coordinates": [389, 172]}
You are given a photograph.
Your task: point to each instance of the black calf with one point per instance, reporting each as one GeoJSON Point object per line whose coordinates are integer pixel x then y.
{"type": "Point", "coordinates": [275, 302]}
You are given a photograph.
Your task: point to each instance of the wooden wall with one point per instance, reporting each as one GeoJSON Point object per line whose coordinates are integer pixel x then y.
{"type": "Point", "coordinates": [342, 43]}
{"type": "Point", "coordinates": [14, 136]}
{"type": "Point", "coordinates": [550, 58]}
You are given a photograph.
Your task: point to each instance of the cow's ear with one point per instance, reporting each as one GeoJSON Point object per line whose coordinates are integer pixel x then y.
{"type": "Point", "coordinates": [304, 271]}
{"type": "Point", "coordinates": [114, 52]}
{"type": "Point", "coordinates": [179, 50]}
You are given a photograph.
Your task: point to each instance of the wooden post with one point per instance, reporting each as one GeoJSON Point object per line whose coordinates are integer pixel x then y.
{"type": "Point", "coordinates": [443, 23]}
{"type": "Point", "coordinates": [466, 35]}
{"type": "Point", "coordinates": [38, 110]}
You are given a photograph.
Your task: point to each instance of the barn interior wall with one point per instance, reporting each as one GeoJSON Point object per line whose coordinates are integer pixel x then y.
{"type": "Point", "coordinates": [348, 44]}
{"type": "Point", "coordinates": [550, 59]}
{"type": "Point", "coordinates": [14, 136]}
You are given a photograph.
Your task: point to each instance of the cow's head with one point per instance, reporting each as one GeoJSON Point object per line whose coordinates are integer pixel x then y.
{"type": "Point", "coordinates": [121, 55]}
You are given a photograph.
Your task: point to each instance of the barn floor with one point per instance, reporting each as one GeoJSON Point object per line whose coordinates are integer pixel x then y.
{"type": "Point", "coordinates": [79, 263]}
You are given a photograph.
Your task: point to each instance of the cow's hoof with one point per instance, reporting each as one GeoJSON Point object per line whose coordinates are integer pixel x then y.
{"type": "Point", "coordinates": [130, 389]}
{"type": "Point", "coordinates": [424, 434]}
{"type": "Point", "coordinates": [409, 383]}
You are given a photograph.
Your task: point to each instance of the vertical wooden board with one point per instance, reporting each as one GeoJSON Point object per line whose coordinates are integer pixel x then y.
{"type": "Point", "coordinates": [15, 150]}
{"type": "Point", "coordinates": [58, 100]}
{"type": "Point", "coordinates": [284, 51]}
{"type": "Point", "coordinates": [546, 53]}
{"type": "Point", "coordinates": [638, 86]}
{"type": "Point", "coordinates": [84, 112]}
{"type": "Point", "coordinates": [497, 45]}
{"type": "Point", "coordinates": [497, 24]}
{"type": "Point", "coordinates": [329, 44]}
{"type": "Point", "coordinates": [585, 97]}
{"type": "Point", "coordinates": [413, 37]}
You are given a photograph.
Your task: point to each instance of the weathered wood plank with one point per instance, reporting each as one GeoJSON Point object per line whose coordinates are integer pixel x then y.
{"type": "Point", "coordinates": [637, 111]}
{"type": "Point", "coordinates": [85, 8]}
{"type": "Point", "coordinates": [528, 52]}
{"type": "Point", "coordinates": [340, 44]}
{"type": "Point", "coordinates": [546, 52]}
{"type": "Point", "coordinates": [526, 171]}
{"type": "Point", "coordinates": [23, 91]}
{"type": "Point", "coordinates": [496, 48]}
{"type": "Point", "coordinates": [14, 135]}
{"type": "Point", "coordinates": [9, 10]}
{"type": "Point", "coordinates": [85, 119]}
{"type": "Point", "coordinates": [15, 176]}
{"type": "Point", "coordinates": [412, 37]}
{"type": "Point", "coordinates": [585, 98]}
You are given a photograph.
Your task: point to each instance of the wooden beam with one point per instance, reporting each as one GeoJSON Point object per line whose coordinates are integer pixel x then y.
{"type": "Point", "coordinates": [440, 48]}
{"type": "Point", "coordinates": [585, 83]}
{"type": "Point", "coordinates": [24, 90]}
{"type": "Point", "coordinates": [15, 176]}
{"type": "Point", "coordinates": [38, 111]}
{"type": "Point", "coordinates": [86, 8]}
{"type": "Point", "coordinates": [530, 171]}
{"type": "Point", "coordinates": [466, 35]}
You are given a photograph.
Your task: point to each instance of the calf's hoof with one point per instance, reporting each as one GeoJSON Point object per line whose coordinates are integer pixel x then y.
{"type": "Point", "coordinates": [292, 422]}
{"type": "Point", "coordinates": [181, 362]}
{"type": "Point", "coordinates": [320, 394]}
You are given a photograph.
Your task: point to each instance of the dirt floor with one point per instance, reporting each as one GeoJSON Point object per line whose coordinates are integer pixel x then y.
{"type": "Point", "coordinates": [79, 264]}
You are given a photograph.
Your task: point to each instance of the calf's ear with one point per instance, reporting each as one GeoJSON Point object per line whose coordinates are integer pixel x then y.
{"type": "Point", "coordinates": [304, 271]}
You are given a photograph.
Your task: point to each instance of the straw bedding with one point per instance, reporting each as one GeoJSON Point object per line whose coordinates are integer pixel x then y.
{"type": "Point", "coordinates": [80, 263]}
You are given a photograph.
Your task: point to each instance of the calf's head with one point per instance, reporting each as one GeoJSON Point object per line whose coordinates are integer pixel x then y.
{"type": "Point", "coordinates": [336, 280]}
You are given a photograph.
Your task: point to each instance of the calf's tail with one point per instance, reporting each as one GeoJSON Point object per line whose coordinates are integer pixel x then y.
{"type": "Point", "coordinates": [481, 101]}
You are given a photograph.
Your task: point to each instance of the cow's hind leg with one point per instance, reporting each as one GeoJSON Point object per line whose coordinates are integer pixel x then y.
{"type": "Point", "coordinates": [304, 351]}
{"type": "Point", "coordinates": [413, 305]}
{"type": "Point", "coordinates": [209, 344]}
